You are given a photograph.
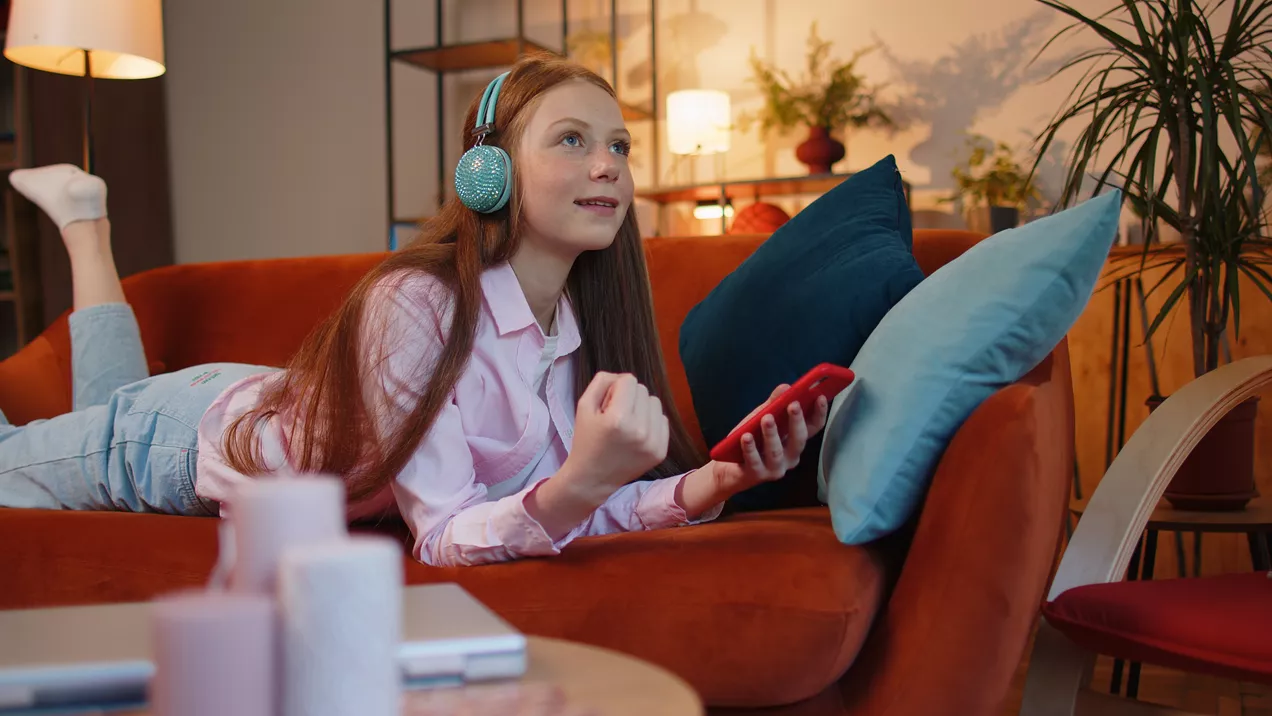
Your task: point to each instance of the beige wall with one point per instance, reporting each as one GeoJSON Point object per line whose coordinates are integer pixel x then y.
{"type": "Point", "coordinates": [963, 65]}
{"type": "Point", "coordinates": [276, 108]}
{"type": "Point", "coordinates": [276, 127]}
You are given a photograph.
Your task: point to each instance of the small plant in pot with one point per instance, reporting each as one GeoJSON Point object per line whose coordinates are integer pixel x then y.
{"type": "Point", "coordinates": [831, 96]}
{"type": "Point", "coordinates": [992, 178]}
{"type": "Point", "coordinates": [1172, 105]}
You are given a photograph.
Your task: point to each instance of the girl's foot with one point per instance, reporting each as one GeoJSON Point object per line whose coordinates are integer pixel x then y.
{"type": "Point", "coordinates": [76, 201]}
{"type": "Point", "coordinates": [64, 191]}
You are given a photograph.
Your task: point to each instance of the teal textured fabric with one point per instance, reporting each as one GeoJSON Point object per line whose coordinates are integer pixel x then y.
{"type": "Point", "coordinates": [810, 294]}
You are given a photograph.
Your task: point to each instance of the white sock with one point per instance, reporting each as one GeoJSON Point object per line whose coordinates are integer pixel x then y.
{"type": "Point", "coordinates": [64, 191]}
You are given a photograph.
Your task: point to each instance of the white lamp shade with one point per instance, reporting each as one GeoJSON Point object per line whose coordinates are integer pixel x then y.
{"type": "Point", "coordinates": [124, 37]}
{"type": "Point", "coordinates": [698, 121]}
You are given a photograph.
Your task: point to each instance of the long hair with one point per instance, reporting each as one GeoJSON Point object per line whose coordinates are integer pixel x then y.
{"type": "Point", "coordinates": [321, 390]}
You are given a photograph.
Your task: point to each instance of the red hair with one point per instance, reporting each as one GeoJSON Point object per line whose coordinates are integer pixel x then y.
{"type": "Point", "coordinates": [321, 392]}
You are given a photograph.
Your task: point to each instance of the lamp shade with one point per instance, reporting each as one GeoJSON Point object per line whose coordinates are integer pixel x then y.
{"type": "Point", "coordinates": [698, 121]}
{"type": "Point", "coordinates": [123, 37]}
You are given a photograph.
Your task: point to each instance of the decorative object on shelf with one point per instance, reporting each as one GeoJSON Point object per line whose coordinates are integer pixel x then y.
{"type": "Point", "coordinates": [698, 122]}
{"type": "Point", "coordinates": [1177, 112]}
{"type": "Point", "coordinates": [831, 96]}
{"type": "Point", "coordinates": [991, 177]}
{"type": "Point", "coordinates": [118, 40]}
{"type": "Point", "coordinates": [759, 218]}
{"type": "Point", "coordinates": [820, 151]}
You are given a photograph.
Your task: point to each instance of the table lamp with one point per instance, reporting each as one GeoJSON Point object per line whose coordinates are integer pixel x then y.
{"type": "Point", "coordinates": [698, 121]}
{"type": "Point", "coordinates": [111, 39]}
{"type": "Point", "coordinates": [698, 124]}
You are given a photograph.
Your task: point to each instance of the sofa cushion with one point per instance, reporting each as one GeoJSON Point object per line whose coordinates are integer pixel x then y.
{"type": "Point", "coordinates": [688, 599]}
{"type": "Point", "coordinates": [810, 294]}
{"type": "Point", "coordinates": [973, 327]}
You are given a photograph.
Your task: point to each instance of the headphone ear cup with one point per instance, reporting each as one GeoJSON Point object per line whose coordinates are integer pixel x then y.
{"type": "Point", "coordinates": [483, 179]}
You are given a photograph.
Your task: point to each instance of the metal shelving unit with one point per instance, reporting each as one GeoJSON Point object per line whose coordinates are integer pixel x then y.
{"type": "Point", "coordinates": [442, 58]}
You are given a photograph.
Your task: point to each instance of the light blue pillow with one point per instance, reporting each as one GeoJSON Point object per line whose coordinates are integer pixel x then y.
{"type": "Point", "coordinates": [976, 325]}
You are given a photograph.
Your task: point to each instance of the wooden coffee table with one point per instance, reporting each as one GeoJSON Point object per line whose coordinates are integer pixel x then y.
{"type": "Point", "coordinates": [563, 678]}
{"type": "Point", "coordinates": [566, 678]}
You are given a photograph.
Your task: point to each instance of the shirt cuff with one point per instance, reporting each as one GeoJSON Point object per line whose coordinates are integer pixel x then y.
{"type": "Point", "coordinates": [658, 507]}
{"type": "Point", "coordinates": [532, 531]}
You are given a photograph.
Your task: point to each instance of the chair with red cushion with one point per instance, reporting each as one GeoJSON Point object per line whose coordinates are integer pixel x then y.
{"type": "Point", "coordinates": [1221, 626]}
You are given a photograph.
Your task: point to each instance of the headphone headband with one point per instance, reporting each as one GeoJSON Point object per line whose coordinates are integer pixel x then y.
{"type": "Point", "coordinates": [483, 179]}
{"type": "Point", "coordinates": [486, 110]}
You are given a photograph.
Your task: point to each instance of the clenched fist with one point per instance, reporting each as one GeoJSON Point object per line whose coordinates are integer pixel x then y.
{"type": "Point", "coordinates": [620, 433]}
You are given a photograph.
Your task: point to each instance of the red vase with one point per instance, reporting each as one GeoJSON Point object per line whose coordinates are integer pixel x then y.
{"type": "Point", "coordinates": [820, 151]}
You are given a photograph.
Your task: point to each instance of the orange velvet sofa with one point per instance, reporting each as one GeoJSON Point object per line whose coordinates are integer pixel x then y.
{"type": "Point", "coordinates": [756, 611]}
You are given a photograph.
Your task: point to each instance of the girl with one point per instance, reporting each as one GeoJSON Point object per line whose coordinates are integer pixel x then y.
{"type": "Point", "coordinates": [498, 383]}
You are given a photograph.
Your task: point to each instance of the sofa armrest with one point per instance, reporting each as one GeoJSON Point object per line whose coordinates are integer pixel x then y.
{"type": "Point", "coordinates": [984, 545]}
{"type": "Point", "coordinates": [35, 382]}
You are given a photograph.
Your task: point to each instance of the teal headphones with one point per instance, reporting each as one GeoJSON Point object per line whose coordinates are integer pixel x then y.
{"type": "Point", "coordinates": [483, 179]}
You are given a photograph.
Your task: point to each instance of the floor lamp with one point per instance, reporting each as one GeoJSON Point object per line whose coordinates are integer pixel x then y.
{"type": "Point", "coordinates": [110, 39]}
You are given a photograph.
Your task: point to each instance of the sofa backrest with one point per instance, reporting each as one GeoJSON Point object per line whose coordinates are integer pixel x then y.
{"type": "Point", "coordinates": [259, 311]}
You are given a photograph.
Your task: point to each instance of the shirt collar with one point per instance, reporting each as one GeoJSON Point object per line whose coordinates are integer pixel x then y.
{"type": "Point", "coordinates": [511, 312]}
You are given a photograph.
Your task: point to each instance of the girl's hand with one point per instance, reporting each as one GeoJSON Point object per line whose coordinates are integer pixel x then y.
{"type": "Point", "coordinates": [620, 433]}
{"type": "Point", "coordinates": [773, 459]}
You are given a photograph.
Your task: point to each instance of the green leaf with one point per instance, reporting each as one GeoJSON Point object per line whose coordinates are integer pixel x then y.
{"type": "Point", "coordinates": [1170, 302]}
{"type": "Point", "coordinates": [1164, 277]}
{"type": "Point", "coordinates": [1233, 285]}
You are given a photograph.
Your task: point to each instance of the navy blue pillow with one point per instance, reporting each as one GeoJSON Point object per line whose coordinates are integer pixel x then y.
{"type": "Point", "coordinates": [811, 293]}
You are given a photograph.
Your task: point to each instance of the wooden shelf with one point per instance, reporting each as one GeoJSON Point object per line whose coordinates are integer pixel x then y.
{"type": "Point", "coordinates": [469, 55]}
{"type": "Point", "coordinates": [488, 54]}
{"type": "Point", "coordinates": [748, 189]}
{"type": "Point", "coordinates": [7, 296]}
{"type": "Point", "coordinates": [632, 112]}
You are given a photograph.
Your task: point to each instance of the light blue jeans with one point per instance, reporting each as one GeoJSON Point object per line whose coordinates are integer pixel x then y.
{"type": "Point", "coordinates": [131, 442]}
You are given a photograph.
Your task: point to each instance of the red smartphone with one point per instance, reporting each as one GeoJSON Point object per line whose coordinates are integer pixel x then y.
{"type": "Point", "coordinates": [826, 379]}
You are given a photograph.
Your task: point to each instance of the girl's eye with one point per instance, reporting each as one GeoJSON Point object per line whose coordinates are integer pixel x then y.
{"type": "Point", "coordinates": [622, 147]}
{"type": "Point", "coordinates": [572, 140]}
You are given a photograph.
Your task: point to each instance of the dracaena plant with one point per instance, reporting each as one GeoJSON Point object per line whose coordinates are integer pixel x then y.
{"type": "Point", "coordinates": [1171, 107]}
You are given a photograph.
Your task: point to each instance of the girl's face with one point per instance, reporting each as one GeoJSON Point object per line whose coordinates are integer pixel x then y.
{"type": "Point", "coordinates": [576, 185]}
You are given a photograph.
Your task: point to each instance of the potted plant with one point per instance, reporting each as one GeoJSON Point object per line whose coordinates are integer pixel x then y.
{"type": "Point", "coordinates": [594, 49]}
{"type": "Point", "coordinates": [1170, 108]}
{"type": "Point", "coordinates": [991, 177]}
{"type": "Point", "coordinates": [831, 95]}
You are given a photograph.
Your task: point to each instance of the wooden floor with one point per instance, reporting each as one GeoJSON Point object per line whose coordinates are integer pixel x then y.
{"type": "Point", "coordinates": [1191, 692]}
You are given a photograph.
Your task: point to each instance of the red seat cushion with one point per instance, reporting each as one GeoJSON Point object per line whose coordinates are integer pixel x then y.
{"type": "Point", "coordinates": [1220, 625]}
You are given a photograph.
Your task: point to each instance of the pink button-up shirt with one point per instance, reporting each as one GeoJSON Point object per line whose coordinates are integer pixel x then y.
{"type": "Point", "coordinates": [490, 431]}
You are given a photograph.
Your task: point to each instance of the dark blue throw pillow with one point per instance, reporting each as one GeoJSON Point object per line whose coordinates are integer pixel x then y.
{"type": "Point", "coordinates": [811, 293]}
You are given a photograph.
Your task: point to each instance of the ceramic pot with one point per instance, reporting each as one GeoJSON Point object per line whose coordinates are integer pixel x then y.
{"type": "Point", "coordinates": [820, 151]}
{"type": "Point", "coordinates": [1219, 473]}
{"type": "Point", "coordinates": [1002, 218]}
